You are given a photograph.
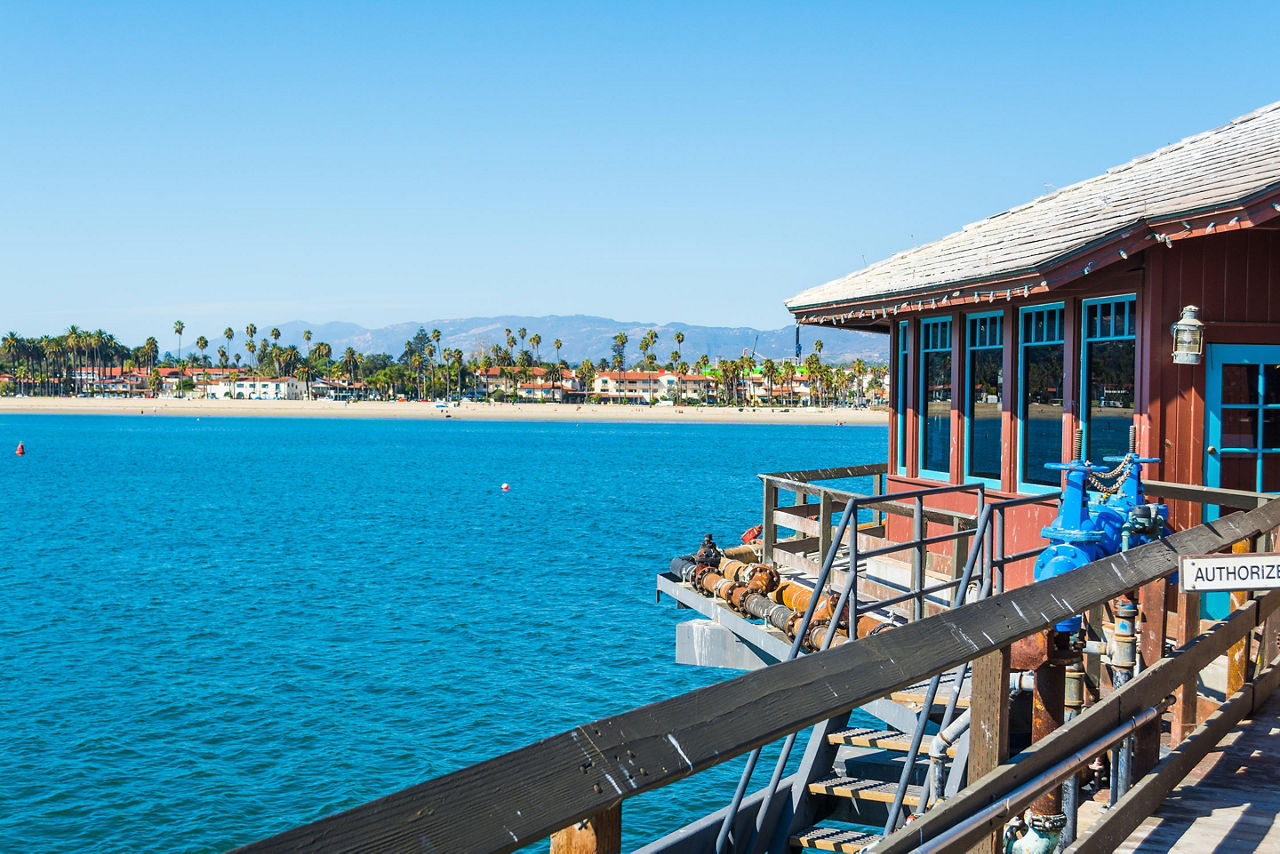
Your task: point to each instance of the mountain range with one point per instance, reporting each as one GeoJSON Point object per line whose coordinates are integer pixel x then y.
{"type": "Point", "coordinates": [584, 336]}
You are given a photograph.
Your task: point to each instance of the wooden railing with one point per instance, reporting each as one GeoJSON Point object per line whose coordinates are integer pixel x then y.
{"type": "Point", "coordinates": [515, 799]}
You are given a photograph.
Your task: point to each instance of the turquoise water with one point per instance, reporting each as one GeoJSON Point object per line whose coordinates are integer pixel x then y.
{"type": "Point", "coordinates": [217, 628]}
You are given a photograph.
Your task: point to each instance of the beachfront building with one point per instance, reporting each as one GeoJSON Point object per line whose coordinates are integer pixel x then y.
{"type": "Point", "coordinates": [260, 388]}
{"type": "Point", "coordinates": [1145, 297]}
{"type": "Point", "coordinates": [531, 384]}
{"type": "Point", "coordinates": [651, 386]}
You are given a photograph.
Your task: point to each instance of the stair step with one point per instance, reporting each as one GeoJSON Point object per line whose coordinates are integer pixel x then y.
{"type": "Point", "coordinates": [834, 839]}
{"type": "Point", "coordinates": [913, 695]}
{"type": "Point", "coordinates": [881, 739]}
{"type": "Point", "coordinates": [865, 790]}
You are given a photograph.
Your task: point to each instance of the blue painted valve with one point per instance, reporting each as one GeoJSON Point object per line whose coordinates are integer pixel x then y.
{"type": "Point", "coordinates": [1074, 537]}
{"type": "Point", "coordinates": [1118, 514]}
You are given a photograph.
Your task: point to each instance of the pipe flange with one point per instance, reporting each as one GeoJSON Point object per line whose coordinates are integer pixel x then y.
{"type": "Point", "coordinates": [1048, 823]}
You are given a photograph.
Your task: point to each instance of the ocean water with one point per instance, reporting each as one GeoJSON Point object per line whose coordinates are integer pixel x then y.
{"type": "Point", "coordinates": [217, 628]}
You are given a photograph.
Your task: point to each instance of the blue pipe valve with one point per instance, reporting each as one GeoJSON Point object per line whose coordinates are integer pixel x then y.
{"type": "Point", "coordinates": [1074, 536]}
{"type": "Point", "coordinates": [1131, 479]}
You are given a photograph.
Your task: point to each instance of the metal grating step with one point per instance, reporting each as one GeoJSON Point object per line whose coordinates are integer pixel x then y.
{"type": "Point", "coordinates": [865, 790]}
{"type": "Point", "coordinates": [834, 839]}
{"type": "Point", "coordinates": [881, 739]}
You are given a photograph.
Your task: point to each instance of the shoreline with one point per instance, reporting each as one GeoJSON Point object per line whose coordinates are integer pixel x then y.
{"type": "Point", "coordinates": [464, 411]}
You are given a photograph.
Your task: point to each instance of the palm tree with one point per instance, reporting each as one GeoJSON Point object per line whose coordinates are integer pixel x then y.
{"type": "Point", "coordinates": [201, 344]}
{"type": "Point", "coordinates": [557, 344]}
{"type": "Point", "coordinates": [306, 337]}
{"type": "Point", "coordinates": [619, 354]}
{"type": "Point", "coordinates": [275, 335]}
{"type": "Point", "coordinates": [859, 379]}
{"type": "Point", "coordinates": [522, 332]}
{"type": "Point", "coordinates": [415, 364]}
{"type": "Point", "coordinates": [535, 341]}
{"type": "Point", "coordinates": [178, 326]}
{"type": "Point", "coordinates": [769, 371]}
{"type": "Point", "coordinates": [789, 377]}
{"type": "Point", "coordinates": [350, 362]}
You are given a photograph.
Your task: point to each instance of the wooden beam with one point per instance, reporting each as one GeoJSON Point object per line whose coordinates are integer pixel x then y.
{"type": "Point", "coordinates": [518, 798]}
{"type": "Point", "coordinates": [599, 834]}
{"type": "Point", "coordinates": [989, 732]}
{"type": "Point", "coordinates": [1148, 689]}
{"type": "Point", "coordinates": [1116, 824]}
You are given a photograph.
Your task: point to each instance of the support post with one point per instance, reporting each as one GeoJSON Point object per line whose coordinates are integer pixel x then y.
{"type": "Point", "coordinates": [1152, 602]}
{"type": "Point", "coordinates": [599, 834]}
{"type": "Point", "coordinates": [1184, 711]}
{"type": "Point", "coordinates": [824, 525]}
{"type": "Point", "coordinates": [769, 533]}
{"type": "Point", "coordinates": [1238, 655]}
{"type": "Point", "coordinates": [989, 731]}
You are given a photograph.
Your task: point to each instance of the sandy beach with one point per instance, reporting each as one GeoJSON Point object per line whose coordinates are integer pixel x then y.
{"type": "Point", "coordinates": [463, 412]}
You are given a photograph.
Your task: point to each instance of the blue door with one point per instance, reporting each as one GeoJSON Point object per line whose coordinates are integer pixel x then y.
{"type": "Point", "coordinates": [1242, 430]}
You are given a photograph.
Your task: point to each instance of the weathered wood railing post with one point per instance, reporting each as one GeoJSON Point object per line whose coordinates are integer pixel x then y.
{"type": "Point", "coordinates": [824, 525]}
{"type": "Point", "coordinates": [599, 834]}
{"type": "Point", "coordinates": [769, 533]}
{"type": "Point", "coordinates": [989, 732]}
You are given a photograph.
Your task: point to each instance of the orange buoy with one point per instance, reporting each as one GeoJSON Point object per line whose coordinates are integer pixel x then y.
{"type": "Point", "coordinates": [21, 450]}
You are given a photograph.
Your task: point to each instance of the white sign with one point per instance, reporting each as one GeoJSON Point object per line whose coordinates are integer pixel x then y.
{"type": "Point", "coordinates": [1229, 572]}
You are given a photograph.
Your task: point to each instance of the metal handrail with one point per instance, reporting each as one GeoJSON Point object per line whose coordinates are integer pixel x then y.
{"type": "Point", "coordinates": [731, 813]}
{"type": "Point", "coordinates": [985, 525]}
{"type": "Point", "coordinates": [849, 591]}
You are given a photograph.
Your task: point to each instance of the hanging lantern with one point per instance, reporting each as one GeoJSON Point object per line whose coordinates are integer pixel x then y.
{"type": "Point", "coordinates": [1188, 337]}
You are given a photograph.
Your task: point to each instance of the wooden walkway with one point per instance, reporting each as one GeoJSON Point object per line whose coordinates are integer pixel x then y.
{"type": "Point", "coordinates": [1231, 802]}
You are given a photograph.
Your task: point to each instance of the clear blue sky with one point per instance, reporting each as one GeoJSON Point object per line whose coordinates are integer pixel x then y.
{"type": "Point", "coordinates": [222, 163]}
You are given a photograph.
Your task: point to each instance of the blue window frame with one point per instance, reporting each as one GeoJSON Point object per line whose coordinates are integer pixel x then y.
{"type": "Point", "coordinates": [1108, 364]}
{"type": "Point", "coordinates": [933, 402]}
{"type": "Point", "coordinates": [900, 393]}
{"type": "Point", "coordinates": [1040, 382]}
{"type": "Point", "coordinates": [984, 395]}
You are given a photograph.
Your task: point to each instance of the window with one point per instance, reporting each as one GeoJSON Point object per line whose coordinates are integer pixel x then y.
{"type": "Point", "coordinates": [984, 378]}
{"type": "Point", "coordinates": [934, 399]}
{"type": "Point", "coordinates": [1040, 400]}
{"type": "Point", "coordinates": [1108, 356]}
{"type": "Point", "coordinates": [900, 394]}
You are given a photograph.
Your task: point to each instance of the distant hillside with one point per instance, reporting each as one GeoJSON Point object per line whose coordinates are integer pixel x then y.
{"type": "Point", "coordinates": [592, 337]}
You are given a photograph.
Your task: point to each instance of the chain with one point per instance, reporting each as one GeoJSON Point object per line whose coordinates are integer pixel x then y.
{"type": "Point", "coordinates": [1095, 480]}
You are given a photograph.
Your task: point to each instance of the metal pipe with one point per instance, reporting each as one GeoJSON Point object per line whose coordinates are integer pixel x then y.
{"type": "Point", "coordinates": [1073, 702]}
{"type": "Point", "coordinates": [1016, 799]}
{"type": "Point", "coordinates": [918, 558]}
{"type": "Point", "coordinates": [731, 813]}
{"type": "Point", "coordinates": [938, 747]}
{"type": "Point", "coordinates": [1047, 709]}
{"type": "Point", "coordinates": [1125, 656]}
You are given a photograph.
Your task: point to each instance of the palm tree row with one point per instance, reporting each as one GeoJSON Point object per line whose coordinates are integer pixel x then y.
{"type": "Point", "coordinates": [62, 364]}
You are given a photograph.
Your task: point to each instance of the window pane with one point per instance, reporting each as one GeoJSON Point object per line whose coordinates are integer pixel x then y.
{"type": "Point", "coordinates": [1041, 412]}
{"type": "Point", "coordinates": [1271, 472]}
{"type": "Point", "coordinates": [1239, 471]}
{"type": "Point", "coordinates": [937, 409]}
{"type": "Point", "coordinates": [1239, 383]}
{"type": "Point", "coordinates": [1271, 384]}
{"type": "Point", "coordinates": [1271, 428]}
{"type": "Point", "coordinates": [1239, 428]}
{"type": "Point", "coordinates": [1111, 369]}
{"type": "Point", "coordinates": [986, 394]}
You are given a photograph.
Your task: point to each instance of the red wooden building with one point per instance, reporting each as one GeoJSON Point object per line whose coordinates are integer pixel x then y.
{"type": "Point", "coordinates": [1012, 334]}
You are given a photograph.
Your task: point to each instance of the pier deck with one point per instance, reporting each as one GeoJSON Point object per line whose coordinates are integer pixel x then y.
{"type": "Point", "coordinates": [1231, 802]}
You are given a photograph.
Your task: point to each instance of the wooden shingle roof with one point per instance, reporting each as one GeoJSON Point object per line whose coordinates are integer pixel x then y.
{"type": "Point", "coordinates": [1058, 237]}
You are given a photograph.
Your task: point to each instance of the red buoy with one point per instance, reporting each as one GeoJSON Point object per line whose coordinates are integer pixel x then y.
{"type": "Point", "coordinates": [505, 487]}
{"type": "Point", "coordinates": [21, 450]}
